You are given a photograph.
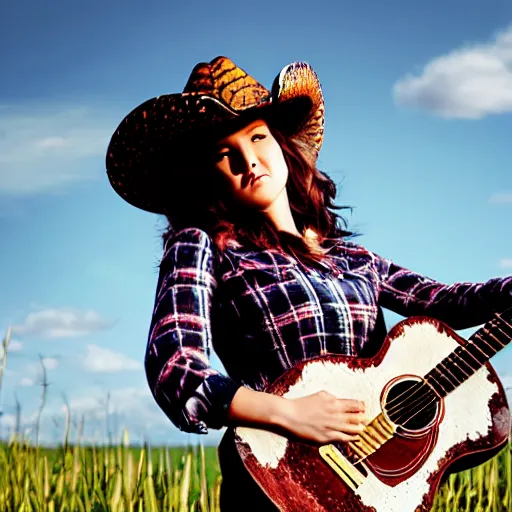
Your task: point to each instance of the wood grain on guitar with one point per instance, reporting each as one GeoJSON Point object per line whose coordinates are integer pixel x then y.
{"type": "Point", "coordinates": [437, 407]}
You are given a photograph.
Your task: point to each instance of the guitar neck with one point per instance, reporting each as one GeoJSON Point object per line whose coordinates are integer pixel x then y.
{"type": "Point", "coordinates": [466, 359]}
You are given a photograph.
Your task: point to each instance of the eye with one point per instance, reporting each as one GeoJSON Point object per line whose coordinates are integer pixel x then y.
{"type": "Point", "coordinates": [258, 136]}
{"type": "Point", "coordinates": [220, 155]}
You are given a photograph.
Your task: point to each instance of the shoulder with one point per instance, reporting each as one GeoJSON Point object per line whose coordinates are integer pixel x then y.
{"type": "Point", "coordinates": [188, 245]}
{"type": "Point", "coordinates": [350, 248]}
{"type": "Point", "coordinates": [189, 235]}
{"type": "Point", "coordinates": [357, 255]}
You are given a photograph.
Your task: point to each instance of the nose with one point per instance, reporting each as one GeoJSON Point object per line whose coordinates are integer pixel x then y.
{"type": "Point", "coordinates": [248, 158]}
{"type": "Point", "coordinates": [246, 162]}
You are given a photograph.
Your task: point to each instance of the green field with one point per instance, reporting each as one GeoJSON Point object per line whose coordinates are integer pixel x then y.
{"type": "Point", "coordinates": [124, 478]}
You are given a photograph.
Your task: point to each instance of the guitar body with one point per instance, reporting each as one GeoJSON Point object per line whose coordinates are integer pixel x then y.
{"type": "Point", "coordinates": [470, 425]}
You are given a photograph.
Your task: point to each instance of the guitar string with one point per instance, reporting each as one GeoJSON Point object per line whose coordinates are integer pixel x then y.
{"type": "Point", "coordinates": [496, 323]}
{"type": "Point", "coordinates": [421, 404]}
{"type": "Point", "coordinates": [426, 399]}
{"type": "Point", "coordinates": [493, 324]}
{"type": "Point", "coordinates": [426, 390]}
{"type": "Point", "coordinates": [403, 394]}
{"type": "Point", "coordinates": [423, 385]}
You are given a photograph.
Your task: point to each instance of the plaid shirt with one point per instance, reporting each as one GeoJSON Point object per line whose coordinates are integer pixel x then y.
{"type": "Point", "coordinates": [263, 311]}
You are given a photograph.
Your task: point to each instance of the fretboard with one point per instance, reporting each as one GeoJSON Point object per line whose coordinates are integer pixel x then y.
{"type": "Point", "coordinates": [465, 360]}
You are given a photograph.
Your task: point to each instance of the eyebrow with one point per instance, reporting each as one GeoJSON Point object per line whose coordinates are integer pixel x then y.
{"type": "Point", "coordinates": [257, 124]}
{"type": "Point", "coordinates": [222, 144]}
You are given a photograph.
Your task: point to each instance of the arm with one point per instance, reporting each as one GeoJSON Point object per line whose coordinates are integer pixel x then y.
{"type": "Point", "coordinates": [320, 417]}
{"type": "Point", "coordinates": [191, 393]}
{"type": "Point", "coordinates": [460, 305]}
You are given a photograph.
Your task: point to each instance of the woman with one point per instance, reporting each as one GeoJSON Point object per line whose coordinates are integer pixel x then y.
{"type": "Point", "coordinates": [256, 264]}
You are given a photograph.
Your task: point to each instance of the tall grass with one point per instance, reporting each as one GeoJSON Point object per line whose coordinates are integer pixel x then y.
{"type": "Point", "coordinates": [486, 488]}
{"type": "Point", "coordinates": [121, 479]}
{"type": "Point", "coordinates": [104, 479]}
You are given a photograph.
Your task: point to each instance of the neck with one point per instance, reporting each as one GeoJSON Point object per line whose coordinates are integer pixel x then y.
{"type": "Point", "coordinates": [279, 212]}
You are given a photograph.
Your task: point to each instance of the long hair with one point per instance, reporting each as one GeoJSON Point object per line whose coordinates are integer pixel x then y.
{"type": "Point", "coordinates": [205, 204]}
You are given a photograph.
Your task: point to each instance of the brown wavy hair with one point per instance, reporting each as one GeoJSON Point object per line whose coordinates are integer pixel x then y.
{"type": "Point", "coordinates": [198, 198]}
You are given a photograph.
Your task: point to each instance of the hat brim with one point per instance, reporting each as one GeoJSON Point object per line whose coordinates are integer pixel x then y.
{"type": "Point", "coordinates": [142, 150]}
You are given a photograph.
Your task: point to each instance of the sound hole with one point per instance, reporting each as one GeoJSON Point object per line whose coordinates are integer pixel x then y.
{"type": "Point", "coordinates": [411, 404]}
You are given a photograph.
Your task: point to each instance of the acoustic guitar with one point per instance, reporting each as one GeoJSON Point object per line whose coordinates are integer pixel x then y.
{"type": "Point", "coordinates": [436, 407]}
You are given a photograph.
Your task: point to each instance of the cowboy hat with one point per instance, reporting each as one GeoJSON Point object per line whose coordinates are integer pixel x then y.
{"type": "Point", "coordinates": [142, 149]}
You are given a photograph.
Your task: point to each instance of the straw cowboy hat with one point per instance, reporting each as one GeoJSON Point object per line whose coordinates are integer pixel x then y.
{"type": "Point", "coordinates": [145, 145]}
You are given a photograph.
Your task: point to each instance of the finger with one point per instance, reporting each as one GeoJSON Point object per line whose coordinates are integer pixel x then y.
{"type": "Point", "coordinates": [348, 405]}
{"type": "Point", "coordinates": [343, 436]}
{"type": "Point", "coordinates": [356, 417]}
{"type": "Point", "coordinates": [355, 422]}
{"type": "Point", "coordinates": [351, 428]}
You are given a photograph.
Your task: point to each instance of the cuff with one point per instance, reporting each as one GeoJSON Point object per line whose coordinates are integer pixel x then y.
{"type": "Point", "coordinates": [209, 405]}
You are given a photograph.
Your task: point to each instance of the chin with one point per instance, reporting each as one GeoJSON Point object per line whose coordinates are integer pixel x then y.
{"type": "Point", "coordinates": [261, 204]}
{"type": "Point", "coordinates": [263, 198]}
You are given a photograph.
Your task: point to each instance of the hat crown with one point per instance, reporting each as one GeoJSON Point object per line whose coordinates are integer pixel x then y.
{"type": "Point", "coordinates": [222, 79]}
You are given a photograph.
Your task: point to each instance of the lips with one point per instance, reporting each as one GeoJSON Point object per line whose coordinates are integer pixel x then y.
{"type": "Point", "coordinates": [257, 178]}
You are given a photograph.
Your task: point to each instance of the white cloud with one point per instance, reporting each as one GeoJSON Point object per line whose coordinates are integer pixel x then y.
{"type": "Point", "coordinates": [15, 346]}
{"type": "Point", "coordinates": [84, 404]}
{"type": "Point", "coordinates": [130, 407]}
{"type": "Point", "coordinates": [44, 149]}
{"type": "Point", "coordinates": [50, 363]}
{"type": "Point", "coordinates": [34, 372]}
{"type": "Point", "coordinates": [470, 82]}
{"type": "Point", "coordinates": [104, 360]}
{"type": "Point", "coordinates": [501, 198]}
{"type": "Point", "coordinates": [124, 400]}
{"type": "Point", "coordinates": [52, 142]}
{"type": "Point", "coordinates": [8, 421]}
{"type": "Point", "coordinates": [506, 263]}
{"type": "Point", "coordinates": [61, 323]}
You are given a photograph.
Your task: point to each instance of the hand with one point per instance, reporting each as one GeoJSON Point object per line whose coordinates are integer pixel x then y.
{"type": "Point", "coordinates": [323, 418]}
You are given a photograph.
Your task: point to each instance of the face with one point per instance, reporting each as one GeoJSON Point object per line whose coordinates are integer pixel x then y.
{"type": "Point", "coordinates": [252, 163]}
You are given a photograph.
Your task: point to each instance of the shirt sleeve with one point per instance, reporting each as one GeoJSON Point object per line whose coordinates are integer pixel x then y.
{"type": "Point", "coordinates": [459, 305]}
{"type": "Point", "coordinates": [192, 394]}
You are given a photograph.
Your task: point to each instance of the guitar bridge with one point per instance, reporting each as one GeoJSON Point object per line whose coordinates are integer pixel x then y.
{"type": "Point", "coordinates": [342, 466]}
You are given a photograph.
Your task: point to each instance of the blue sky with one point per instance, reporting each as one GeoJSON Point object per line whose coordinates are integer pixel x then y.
{"type": "Point", "coordinates": [418, 114]}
